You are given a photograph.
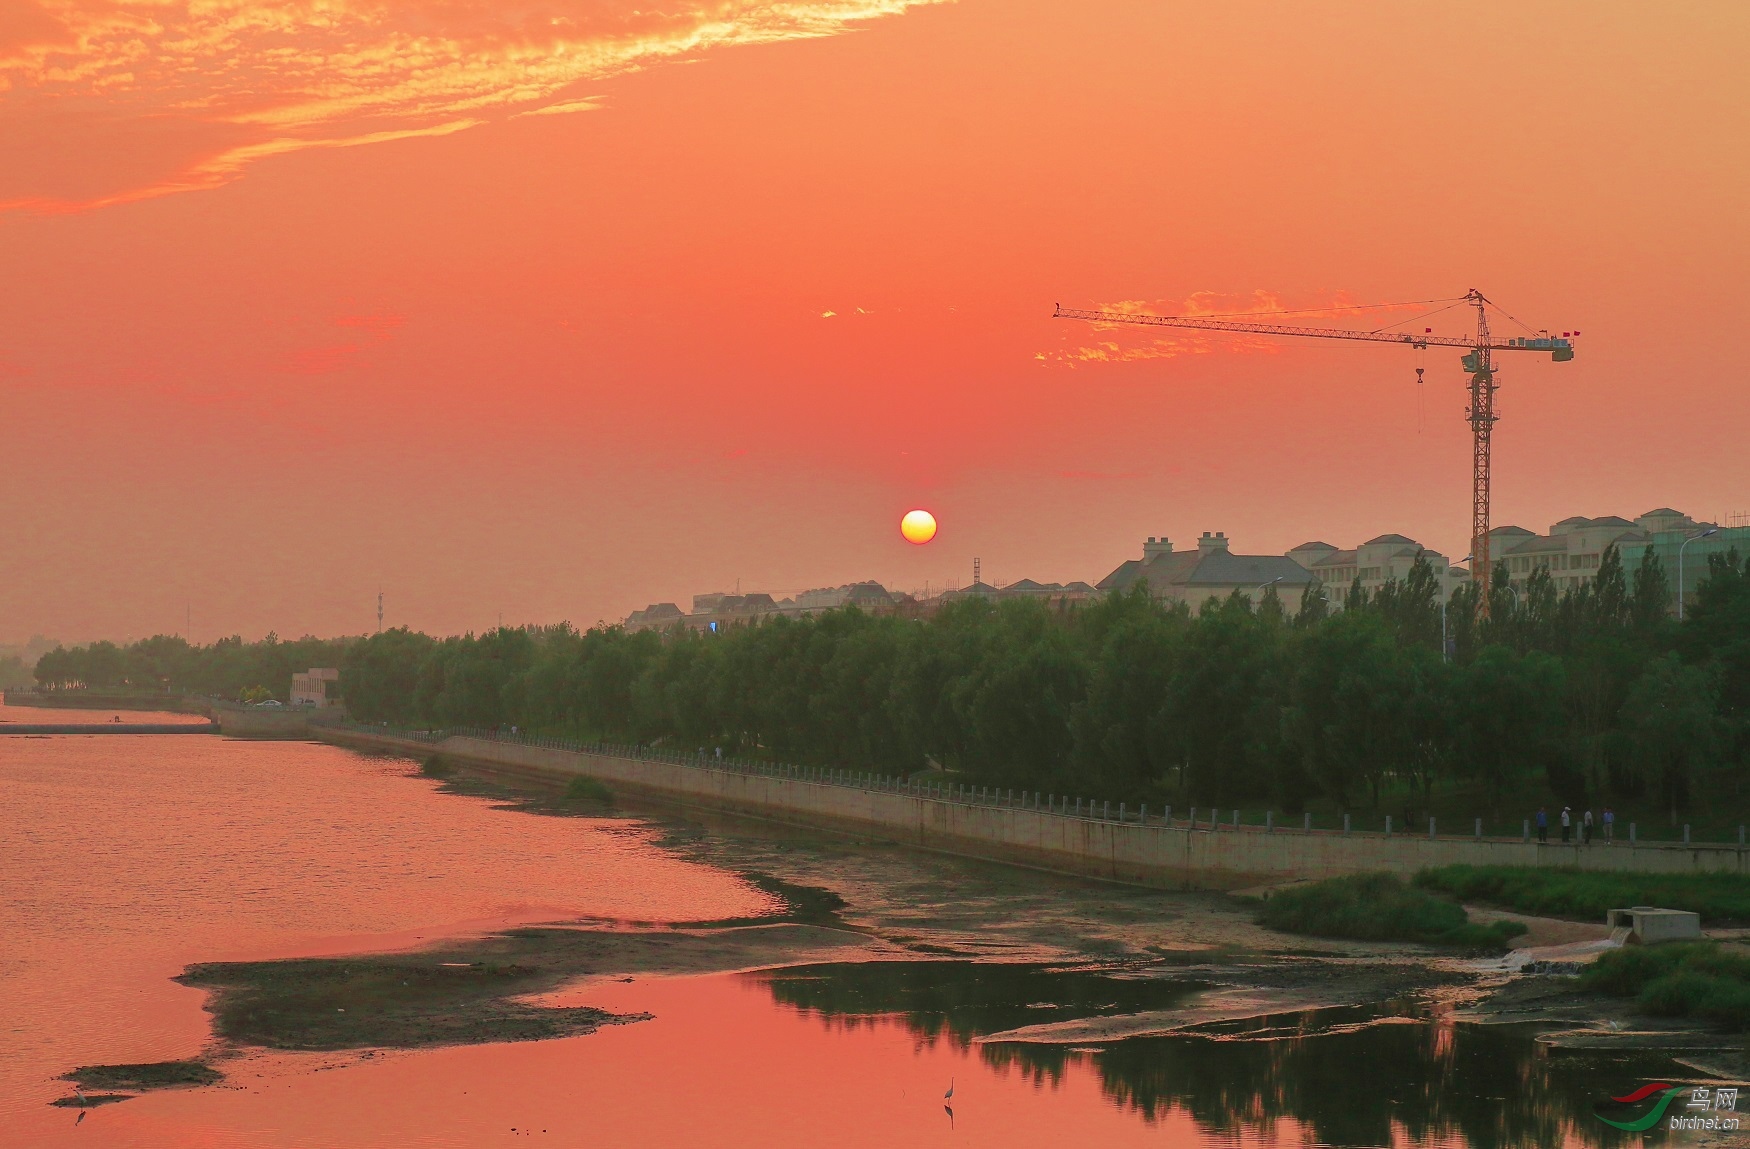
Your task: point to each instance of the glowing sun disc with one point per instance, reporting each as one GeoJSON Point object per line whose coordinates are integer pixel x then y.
{"type": "Point", "coordinates": [918, 527]}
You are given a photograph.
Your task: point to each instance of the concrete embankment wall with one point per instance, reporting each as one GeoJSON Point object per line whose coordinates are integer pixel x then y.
{"type": "Point", "coordinates": [1169, 857]}
{"type": "Point", "coordinates": [233, 719]}
{"type": "Point", "coordinates": [94, 700]}
{"type": "Point", "coordinates": [267, 722]}
{"type": "Point", "coordinates": [41, 728]}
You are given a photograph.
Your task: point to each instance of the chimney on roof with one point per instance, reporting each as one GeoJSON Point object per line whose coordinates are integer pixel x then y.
{"type": "Point", "coordinates": [1209, 543]}
{"type": "Point", "coordinates": [1155, 548]}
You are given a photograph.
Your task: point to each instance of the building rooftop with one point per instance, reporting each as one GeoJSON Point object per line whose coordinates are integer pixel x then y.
{"type": "Point", "coordinates": [1223, 568]}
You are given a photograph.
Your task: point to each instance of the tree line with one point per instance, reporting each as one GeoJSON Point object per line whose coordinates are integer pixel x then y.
{"type": "Point", "coordinates": [1592, 692]}
{"type": "Point", "coordinates": [169, 664]}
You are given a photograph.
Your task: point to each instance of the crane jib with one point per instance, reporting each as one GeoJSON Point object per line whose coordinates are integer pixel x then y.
{"type": "Point", "coordinates": [1560, 349]}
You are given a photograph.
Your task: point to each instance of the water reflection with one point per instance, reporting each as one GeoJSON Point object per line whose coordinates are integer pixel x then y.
{"type": "Point", "coordinates": [962, 1000]}
{"type": "Point", "coordinates": [1357, 1076]}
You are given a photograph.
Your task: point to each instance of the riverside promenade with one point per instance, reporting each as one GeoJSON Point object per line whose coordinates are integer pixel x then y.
{"type": "Point", "coordinates": [1041, 831]}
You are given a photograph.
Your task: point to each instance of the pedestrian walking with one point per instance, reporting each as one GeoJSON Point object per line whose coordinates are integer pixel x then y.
{"type": "Point", "coordinates": [1542, 824]}
{"type": "Point", "coordinates": [1609, 825]}
{"type": "Point", "coordinates": [1567, 825]}
{"type": "Point", "coordinates": [1586, 828]}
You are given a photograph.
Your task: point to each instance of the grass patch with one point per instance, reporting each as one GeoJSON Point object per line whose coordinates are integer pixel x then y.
{"type": "Point", "coordinates": [1677, 979]}
{"type": "Point", "coordinates": [146, 1075]}
{"type": "Point", "coordinates": [1380, 908]}
{"type": "Point", "coordinates": [585, 789]}
{"type": "Point", "coordinates": [1720, 899]}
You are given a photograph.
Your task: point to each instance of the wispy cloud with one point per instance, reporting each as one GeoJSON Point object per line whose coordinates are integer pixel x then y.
{"type": "Point", "coordinates": [327, 358]}
{"type": "Point", "coordinates": [1132, 344]}
{"type": "Point", "coordinates": [199, 89]}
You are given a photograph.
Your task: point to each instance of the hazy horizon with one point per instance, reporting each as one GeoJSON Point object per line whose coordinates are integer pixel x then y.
{"type": "Point", "coordinates": [543, 330]}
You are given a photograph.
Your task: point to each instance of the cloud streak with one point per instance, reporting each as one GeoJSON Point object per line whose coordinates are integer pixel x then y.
{"type": "Point", "coordinates": [198, 90]}
{"type": "Point", "coordinates": [1131, 344]}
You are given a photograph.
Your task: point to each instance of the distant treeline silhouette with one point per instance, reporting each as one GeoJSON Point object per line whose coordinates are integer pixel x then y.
{"type": "Point", "coordinates": [168, 664]}
{"type": "Point", "coordinates": [1593, 692]}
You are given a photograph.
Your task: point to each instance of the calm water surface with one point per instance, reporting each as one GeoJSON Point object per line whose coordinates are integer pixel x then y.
{"type": "Point", "coordinates": [124, 859]}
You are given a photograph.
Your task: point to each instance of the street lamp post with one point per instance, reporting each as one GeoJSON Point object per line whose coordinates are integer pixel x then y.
{"type": "Point", "coordinates": [1518, 601]}
{"type": "Point", "coordinates": [1680, 546]}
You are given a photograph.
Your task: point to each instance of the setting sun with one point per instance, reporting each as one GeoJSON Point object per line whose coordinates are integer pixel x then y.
{"type": "Point", "coordinates": [918, 527]}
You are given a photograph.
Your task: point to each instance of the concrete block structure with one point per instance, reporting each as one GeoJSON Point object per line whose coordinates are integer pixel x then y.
{"type": "Point", "coordinates": [311, 687]}
{"type": "Point", "coordinates": [1647, 924]}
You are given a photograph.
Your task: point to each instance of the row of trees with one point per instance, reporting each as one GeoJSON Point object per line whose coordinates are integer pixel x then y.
{"type": "Point", "coordinates": [229, 668]}
{"type": "Point", "coordinates": [1591, 692]}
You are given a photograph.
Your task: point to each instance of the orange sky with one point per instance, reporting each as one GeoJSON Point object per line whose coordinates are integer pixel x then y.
{"type": "Point", "coordinates": [520, 307]}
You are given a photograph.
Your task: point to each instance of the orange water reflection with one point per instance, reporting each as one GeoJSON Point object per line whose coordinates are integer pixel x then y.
{"type": "Point", "coordinates": [125, 858]}
{"type": "Point", "coordinates": [719, 1066]}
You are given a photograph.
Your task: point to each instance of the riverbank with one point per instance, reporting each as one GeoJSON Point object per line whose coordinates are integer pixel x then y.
{"type": "Point", "coordinates": [1029, 830]}
{"type": "Point", "coordinates": [643, 945]}
{"type": "Point", "coordinates": [1028, 968]}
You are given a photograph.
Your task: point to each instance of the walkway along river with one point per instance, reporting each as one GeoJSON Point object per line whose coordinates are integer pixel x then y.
{"type": "Point", "coordinates": [1043, 831]}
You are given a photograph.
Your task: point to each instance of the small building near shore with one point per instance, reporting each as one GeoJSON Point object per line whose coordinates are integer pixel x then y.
{"type": "Point", "coordinates": [311, 687]}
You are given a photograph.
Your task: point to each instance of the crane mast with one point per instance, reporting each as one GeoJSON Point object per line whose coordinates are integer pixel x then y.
{"type": "Point", "coordinates": [1478, 362]}
{"type": "Point", "coordinates": [1481, 414]}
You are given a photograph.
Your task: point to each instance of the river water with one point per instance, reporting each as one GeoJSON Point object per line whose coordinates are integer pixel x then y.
{"type": "Point", "coordinates": [123, 859]}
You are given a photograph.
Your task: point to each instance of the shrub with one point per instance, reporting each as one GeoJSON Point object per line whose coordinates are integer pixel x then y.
{"type": "Point", "coordinates": [1719, 898]}
{"type": "Point", "coordinates": [435, 767]}
{"type": "Point", "coordinates": [584, 789]}
{"type": "Point", "coordinates": [1380, 907]}
{"type": "Point", "coordinates": [1677, 979]}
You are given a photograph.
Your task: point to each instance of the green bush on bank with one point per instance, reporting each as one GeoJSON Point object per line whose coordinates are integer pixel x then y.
{"type": "Point", "coordinates": [586, 789]}
{"type": "Point", "coordinates": [1380, 907]}
{"type": "Point", "coordinates": [1700, 980]}
{"type": "Point", "coordinates": [1718, 898]}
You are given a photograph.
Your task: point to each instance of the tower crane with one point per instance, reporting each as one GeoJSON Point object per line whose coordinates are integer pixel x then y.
{"type": "Point", "coordinates": [1478, 361]}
